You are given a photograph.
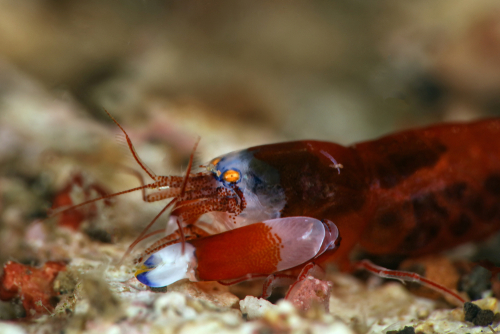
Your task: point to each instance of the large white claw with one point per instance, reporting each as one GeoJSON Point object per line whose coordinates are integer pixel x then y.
{"type": "Point", "coordinates": [331, 236]}
{"type": "Point", "coordinates": [167, 266]}
{"type": "Point", "coordinates": [302, 239]}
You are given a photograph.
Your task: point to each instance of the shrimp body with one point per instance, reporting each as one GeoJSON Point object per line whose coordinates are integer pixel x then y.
{"type": "Point", "coordinates": [411, 193]}
{"type": "Point", "coordinates": [432, 189]}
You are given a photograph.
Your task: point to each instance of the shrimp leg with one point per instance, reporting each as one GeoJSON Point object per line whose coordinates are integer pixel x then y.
{"type": "Point", "coordinates": [190, 232]}
{"type": "Point", "coordinates": [280, 279]}
{"type": "Point", "coordinates": [217, 201]}
{"type": "Point", "coordinates": [408, 277]}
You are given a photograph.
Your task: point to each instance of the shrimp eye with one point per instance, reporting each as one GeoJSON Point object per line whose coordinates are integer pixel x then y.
{"type": "Point", "coordinates": [215, 162]}
{"type": "Point", "coordinates": [211, 166]}
{"type": "Point", "coordinates": [231, 176]}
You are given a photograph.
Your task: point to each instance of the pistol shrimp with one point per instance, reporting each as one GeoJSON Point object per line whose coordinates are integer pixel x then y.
{"type": "Point", "coordinates": [284, 206]}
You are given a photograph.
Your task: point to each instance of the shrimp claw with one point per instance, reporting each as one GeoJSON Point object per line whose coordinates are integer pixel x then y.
{"type": "Point", "coordinates": [255, 250]}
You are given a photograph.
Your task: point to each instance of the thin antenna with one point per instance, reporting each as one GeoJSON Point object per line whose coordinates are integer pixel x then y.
{"type": "Point", "coordinates": [132, 149]}
{"type": "Point", "coordinates": [183, 190]}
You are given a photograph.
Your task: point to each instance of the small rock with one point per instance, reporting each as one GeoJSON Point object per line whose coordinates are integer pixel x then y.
{"type": "Point", "coordinates": [212, 292]}
{"type": "Point", "coordinates": [484, 318]}
{"type": "Point", "coordinates": [471, 310]}
{"type": "Point", "coordinates": [7, 328]}
{"type": "Point", "coordinates": [478, 316]}
{"type": "Point", "coordinates": [406, 330]}
{"type": "Point", "coordinates": [255, 307]}
{"type": "Point", "coordinates": [310, 291]}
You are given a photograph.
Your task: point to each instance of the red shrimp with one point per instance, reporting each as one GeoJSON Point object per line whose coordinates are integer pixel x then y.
{"type": "Point", "coordinates": [411, 193]}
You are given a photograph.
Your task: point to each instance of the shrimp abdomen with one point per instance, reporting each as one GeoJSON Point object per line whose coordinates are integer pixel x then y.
{"type": "Point", "coordinates": [432, 188]}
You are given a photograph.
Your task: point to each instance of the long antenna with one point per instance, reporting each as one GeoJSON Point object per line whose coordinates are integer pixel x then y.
{"type": "Point", "coordinates": [183, 190]}
{"type": "Point", "coordinates": [132, 150]}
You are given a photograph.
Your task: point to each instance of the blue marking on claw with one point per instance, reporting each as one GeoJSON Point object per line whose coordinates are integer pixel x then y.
{"type": "Point", "coordinates": [152, 261]}
{"type": "Point", "coordinates": [143, 278]}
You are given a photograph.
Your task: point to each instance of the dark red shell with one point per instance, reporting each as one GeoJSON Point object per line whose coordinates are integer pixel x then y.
{"type": "Point", "coordinates": [409, 193]}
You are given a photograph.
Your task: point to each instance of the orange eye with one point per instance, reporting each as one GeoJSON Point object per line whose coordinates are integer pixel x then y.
{"type": "Point", "coordinates": [211, 166]}
{"type": "Point", "coordinates": [231, 176]}
{"type": "Point", "coordinates": [215, 161]}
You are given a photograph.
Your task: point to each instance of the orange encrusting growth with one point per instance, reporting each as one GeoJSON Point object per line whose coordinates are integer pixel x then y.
{"type": "Point", "coordinates": [252, 249]}
{"type": "Point", "coordinates": [34, 286]}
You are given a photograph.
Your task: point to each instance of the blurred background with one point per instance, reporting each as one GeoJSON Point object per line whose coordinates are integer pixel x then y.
{"type": "Point", "coordinates": [237, 74]}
